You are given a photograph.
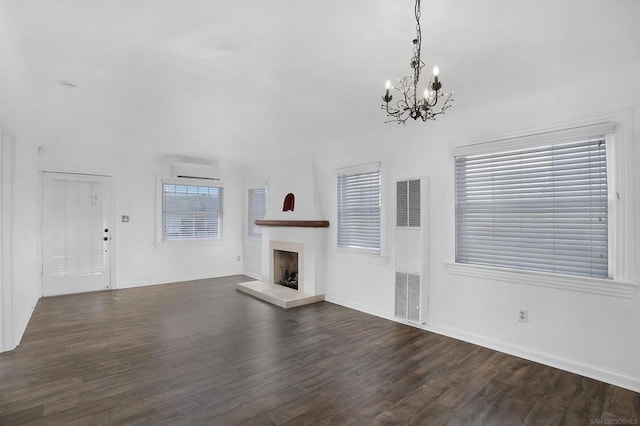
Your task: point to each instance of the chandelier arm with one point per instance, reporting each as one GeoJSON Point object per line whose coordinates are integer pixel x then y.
{"type": "Point", "coordinates": [399, 118]}
{"type": "Point", "coordinates": [448, 103]}
{"type": "Point", "coordinates": [403, 105]}
{"type": "Point", "coordinates": [435, 99]}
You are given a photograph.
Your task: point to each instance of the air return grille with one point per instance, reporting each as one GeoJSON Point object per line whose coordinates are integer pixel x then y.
{"type": "Point", "coordinates": [408, 296]}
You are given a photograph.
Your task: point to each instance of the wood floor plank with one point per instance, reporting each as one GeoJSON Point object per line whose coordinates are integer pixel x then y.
{"type": "Point", "coordinates": [169, 412]}
{"type": "Point", "coordinates": [259, 420]}
{"type": "Point", "coordinates": [247, 411]}
{"type": "Point", "coordinates": [621, 404]}
{"type": "Point", "coordinates": [202, 353]}
{"type": "Point", "coordinates": [15, 417]}
{"type": "Point", "coordinates": [483, 404]}
{"type": "Point", "coordinates": [436, 414]}
{"type": "Point", "coordinates": [587, 403]}
{"type": "Point", "coordinates": [405, 410]}
{"type": "Point", "coordinates": [543, 414]}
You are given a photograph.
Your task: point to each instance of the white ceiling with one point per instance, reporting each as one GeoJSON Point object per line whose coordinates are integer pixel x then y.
{"type": "Point", "coordinates": [240, 78]}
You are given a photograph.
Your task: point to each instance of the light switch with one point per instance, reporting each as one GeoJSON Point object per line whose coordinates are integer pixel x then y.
{"type": "Point", "coordinates": [125, 218]}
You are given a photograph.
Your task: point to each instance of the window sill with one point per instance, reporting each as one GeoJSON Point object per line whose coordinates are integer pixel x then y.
{"type": "Point", "coordinates": [603, 287]}
{"type": "Point", "coordinates": [362, 257]}
{"type": "Point", "coordinates": [195, 243]}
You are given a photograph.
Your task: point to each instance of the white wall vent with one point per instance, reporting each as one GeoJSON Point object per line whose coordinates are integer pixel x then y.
{"type": "Point", "coordinates": [408, 203]}
{"type": "Point", "coordinates": [196, 171]}
{"type": "Point", "coordinates": [411, 250]}
{"type": "Point", "coordinates": [408, 296]}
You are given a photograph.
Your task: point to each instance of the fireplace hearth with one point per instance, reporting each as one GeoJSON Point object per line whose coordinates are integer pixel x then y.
{"type": "Point", "coordinates": [291, 262]}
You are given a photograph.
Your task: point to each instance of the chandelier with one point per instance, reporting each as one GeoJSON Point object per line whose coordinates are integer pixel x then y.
{"type": "Point", "coordinates": [411, 104]}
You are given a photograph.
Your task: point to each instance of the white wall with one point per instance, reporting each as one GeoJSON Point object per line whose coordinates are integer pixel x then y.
{"type": "Point", "coordinates": [6, 238]}
{"type": "Point", "coordinates": [594, 335]}
{"type": "Point", "coordinates": [139, 100]}
{"type": "Point", "coordinates": [591, 334]}
{"type": "Point", "coordinates": [25, 291]}
{"type": "Point", "coordinates": [290, 174]}
{"type": "Point", "coordinates": [142, 260]}
{"type": "Point", "coordinates": [139, 260]}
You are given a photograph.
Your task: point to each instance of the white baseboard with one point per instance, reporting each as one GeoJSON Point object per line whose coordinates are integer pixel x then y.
{"type": "Point", "coordinates": [586, 370]}
{"type": "Point", "coordinates": [132, 284]}
{"type": "Point", "coordinates": [361, 308]}
{"type": "Point", "coordinates": [22, 325]}
{"type": "Point", "coordinates": [573, 366]}
{"type": "Point", "coordinates": [252, 275]}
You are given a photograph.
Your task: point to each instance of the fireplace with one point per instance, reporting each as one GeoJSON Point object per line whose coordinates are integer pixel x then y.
{"type": "Point", "coordinates": [297, 263]}
{"type": "Point", "coordinates": [302, 231]}
{"type": "Point", "coordinates": [286, 264]}
{"type": "Point", "coordinates": [285, 268]}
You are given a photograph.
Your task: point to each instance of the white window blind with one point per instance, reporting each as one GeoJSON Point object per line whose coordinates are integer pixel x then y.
{"type": "Point", "coordinates": [78, 227]}
{"type": "Point", "coordinates": [542, 209]}
{"type": "Point", "coordinates": [359, 209]}
{"type": "Point", "coordinates": [257, 209]}
{"type": "Point", "coordinates": [191, 212]}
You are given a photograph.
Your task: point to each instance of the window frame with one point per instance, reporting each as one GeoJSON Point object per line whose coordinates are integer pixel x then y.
{"type": "Point", "coordinates": [535, 192]}
{"type": "Point", "coordinates": [354, 170]}
{"type": "Point", "coordinates": [262, 185]}
{"type": "Point", "coordinates": [618, 129]}
{"type": "Point", "coordinates": [161, 181]}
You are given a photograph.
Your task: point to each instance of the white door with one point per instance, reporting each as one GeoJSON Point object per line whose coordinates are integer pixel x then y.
{"type": "Point", "coordinates": [75, 233]}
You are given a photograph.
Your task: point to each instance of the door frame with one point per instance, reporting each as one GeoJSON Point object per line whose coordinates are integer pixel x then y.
{"type": "Point", "coordinates": [42, 169]}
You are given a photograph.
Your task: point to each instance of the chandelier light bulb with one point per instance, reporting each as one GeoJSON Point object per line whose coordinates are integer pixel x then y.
{"type": "Point", "coordinates": [436, 71]}
{"type": "Point", "coordinates": [387, 96]}
{"type": "Point", "coordinates": [426, 94]}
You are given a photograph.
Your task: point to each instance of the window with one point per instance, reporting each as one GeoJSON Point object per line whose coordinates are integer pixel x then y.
{"type": "Point", "coordinates": [257, 208]}
{"type": "Point", "coordinates": [191, 212]}
{"type": "Point", "coordinates": [542, 208]}
{"type": "Point", "coordinates": [359, 208]}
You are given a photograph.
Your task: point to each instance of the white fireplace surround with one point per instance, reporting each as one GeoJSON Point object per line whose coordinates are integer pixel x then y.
{"type": "Point", "coordinates": [280, 295]}
{"type": "Point", "coordinates": [308, 242]}
{"type": "Point", "coordinates": [291, 247]}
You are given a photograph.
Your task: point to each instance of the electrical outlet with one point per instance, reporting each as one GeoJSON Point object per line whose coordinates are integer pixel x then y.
{"type": "Point", "coordinates": [523, 315]}
{"type": "Point", "coordinates": [238, 258]}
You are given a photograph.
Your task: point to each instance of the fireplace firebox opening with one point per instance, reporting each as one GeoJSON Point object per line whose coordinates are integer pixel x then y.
{"type": "Point", "coordinates": [285, 272]}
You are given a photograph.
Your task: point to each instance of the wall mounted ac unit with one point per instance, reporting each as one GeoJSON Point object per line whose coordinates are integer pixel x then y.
{"type": "Point", "coordinates": [196, 171]}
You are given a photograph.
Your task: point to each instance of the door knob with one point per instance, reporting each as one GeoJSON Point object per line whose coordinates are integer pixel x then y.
{"type": "Point", "coordinates": [106, 238]}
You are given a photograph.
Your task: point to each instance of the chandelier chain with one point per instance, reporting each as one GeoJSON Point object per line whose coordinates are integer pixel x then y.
{"type": "Point", "coordinates": [416, 62]}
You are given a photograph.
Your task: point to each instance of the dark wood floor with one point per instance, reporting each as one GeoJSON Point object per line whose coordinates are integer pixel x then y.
{"type": "Point", "coordinates": [201, 353]}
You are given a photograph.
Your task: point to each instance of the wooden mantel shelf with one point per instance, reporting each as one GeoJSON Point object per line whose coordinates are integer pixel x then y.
{"type": "Point", "coordinates": [295, 223]}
